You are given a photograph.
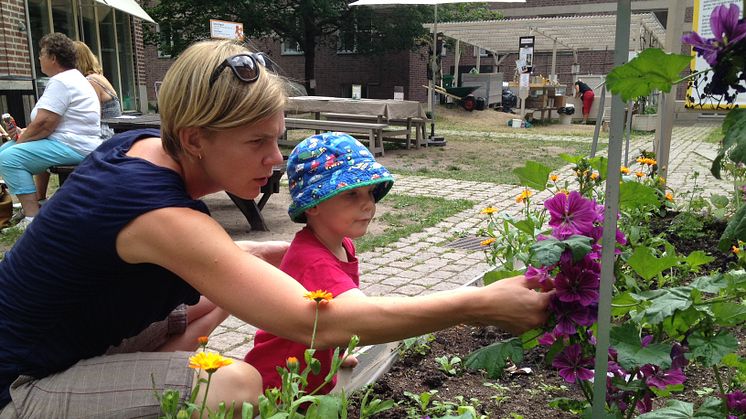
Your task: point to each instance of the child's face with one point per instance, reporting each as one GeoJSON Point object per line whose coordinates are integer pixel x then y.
{"type": "Point", "coordinates": [347, 214]}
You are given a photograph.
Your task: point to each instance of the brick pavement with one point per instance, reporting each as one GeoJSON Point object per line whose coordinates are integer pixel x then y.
{"type": "Point", "coordinates": [421, 263]}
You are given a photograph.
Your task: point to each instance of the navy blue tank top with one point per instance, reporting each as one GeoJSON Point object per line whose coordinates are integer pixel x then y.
{"type": "Point", "coordinates": [65, 294]}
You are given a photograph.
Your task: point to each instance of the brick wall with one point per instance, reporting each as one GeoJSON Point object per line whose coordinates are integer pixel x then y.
{"type": "Point", "coordinates": [15, 58]}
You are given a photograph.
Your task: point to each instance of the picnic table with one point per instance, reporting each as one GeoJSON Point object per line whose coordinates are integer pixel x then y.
{"type": "Point", "coordinates": [250, 208]}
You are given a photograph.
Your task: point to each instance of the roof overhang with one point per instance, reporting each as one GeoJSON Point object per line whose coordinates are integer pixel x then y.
{"type": "Point", "coordinates": [128, 6]}
{"type": "Point", "coordinates": [575, 33]}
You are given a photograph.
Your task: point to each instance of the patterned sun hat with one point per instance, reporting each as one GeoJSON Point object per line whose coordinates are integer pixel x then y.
{"type": "Point", "coordinates": [324, 165]}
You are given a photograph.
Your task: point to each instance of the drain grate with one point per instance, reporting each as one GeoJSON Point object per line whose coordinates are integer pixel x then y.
{"type": "Point", "coordinates": [467, 243]}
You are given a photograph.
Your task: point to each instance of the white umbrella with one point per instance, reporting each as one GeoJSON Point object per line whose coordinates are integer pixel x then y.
{"type": "Point", "coordinates": [435, 29]}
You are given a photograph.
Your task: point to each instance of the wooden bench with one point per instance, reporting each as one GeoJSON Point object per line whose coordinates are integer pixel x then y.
{"type": "Point", "coordinates": [391, 134]}
{"type": "Point", "coordinates": [250, 208]}
{"type": "Point", "coordinates": [373, 131]}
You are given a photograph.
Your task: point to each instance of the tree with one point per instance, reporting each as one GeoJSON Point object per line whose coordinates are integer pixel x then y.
{"type": "Point", "coordinates": [306, 22]}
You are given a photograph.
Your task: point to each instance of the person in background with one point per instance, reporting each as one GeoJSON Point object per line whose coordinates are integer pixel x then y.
{"type": "Point", "coordinates": [88, 64]}
{"type": "Point", "coordinates": [65, 126]}
{"type": "Point", "coordinates": [127, 239]}
{"type": "Point", "coordinates": [336, 207]}
{"type": "Point", "coordinates": [585, 93]}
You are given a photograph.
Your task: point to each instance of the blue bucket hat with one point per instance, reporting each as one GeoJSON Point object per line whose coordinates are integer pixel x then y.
{"type": "Point", "coordinates": [324, 165]}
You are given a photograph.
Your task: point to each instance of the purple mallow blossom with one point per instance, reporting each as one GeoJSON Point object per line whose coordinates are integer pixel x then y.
{"type": "Point", "coordinates": [726, 28]}
{"type": "Point", "coordinates": [572, 365]}
{"type": "Point", "coordinates": [577, 285]}
{"type": "Point", "coordinates": [541, 275]}
{"type": "Point", "coordinates": [659, 378]}
{"type": "Point", "coordinates": [570, 315]}
{"type": "Point", "coordinates": [570, 214]}
{"type": "Point", "coordinates": [736, 401]}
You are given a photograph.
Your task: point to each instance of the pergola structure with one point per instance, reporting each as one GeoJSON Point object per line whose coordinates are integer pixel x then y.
{"type": "Point", "coordinates": [573, 33]}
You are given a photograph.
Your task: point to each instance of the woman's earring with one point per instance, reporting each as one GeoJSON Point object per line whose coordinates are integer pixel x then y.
{"type": "Point", "coordinates": [199, 156]}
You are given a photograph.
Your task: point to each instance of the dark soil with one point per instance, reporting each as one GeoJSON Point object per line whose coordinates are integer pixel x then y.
{"type": "Point", "coordinates": [521, 395]}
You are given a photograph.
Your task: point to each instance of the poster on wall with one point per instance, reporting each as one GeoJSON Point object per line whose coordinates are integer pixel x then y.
{"type": "Point", "coordinates": [223, 29]}
{"type": "Point", "coordinates": [696, 97]}
{"type": "Point", "coordinates": [526, 53]}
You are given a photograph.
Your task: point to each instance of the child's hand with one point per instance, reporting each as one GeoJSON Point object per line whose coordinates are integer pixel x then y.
{"type": "Point", "coordinates": [270, 251]}
{"type": "Point", "coordinates": [350, 362]}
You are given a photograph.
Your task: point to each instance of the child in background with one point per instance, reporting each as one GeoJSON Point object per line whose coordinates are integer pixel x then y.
{"type": "Point", "coordinates": [334, 184]}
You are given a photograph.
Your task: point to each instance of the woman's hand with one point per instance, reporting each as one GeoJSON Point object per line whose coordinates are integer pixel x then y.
{"type": "Point", "coordinates": [270, 251]}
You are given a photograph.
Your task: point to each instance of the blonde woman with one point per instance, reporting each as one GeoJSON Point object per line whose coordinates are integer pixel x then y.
{"type": "Point", "coordinates": [88, 64]}
{"type": "Point", "coordinates": [127, 240]}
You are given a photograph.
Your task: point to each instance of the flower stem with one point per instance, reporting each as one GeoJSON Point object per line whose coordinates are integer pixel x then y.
{"type": "Point", "coordinates": [718, 379]}
{"type": "Point", "coordinates": [632, 404]}
{"type": "Point", "coordinates": [204, 398]}
{"type": "Point", "coordinates": [692, 75]}
{"type": "Point", "coordinates": [315, 322]}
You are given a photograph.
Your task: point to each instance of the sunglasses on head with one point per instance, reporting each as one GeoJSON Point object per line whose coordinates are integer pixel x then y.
{"type": "Point", "coordinates": [244, 66]}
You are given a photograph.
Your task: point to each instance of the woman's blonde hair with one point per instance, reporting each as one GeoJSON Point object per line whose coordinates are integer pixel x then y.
{"type": "Point", "coordinates": [186, 99]}
{"type": "Point", "coordinates": [85, 61]}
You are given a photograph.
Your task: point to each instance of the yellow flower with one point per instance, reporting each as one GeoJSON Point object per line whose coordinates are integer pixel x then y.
{"type": "Point", "coordinates": [291, 362]}
{"type": "Point", "coordinates": [487, 242]}
{"type": "Point", "coordinates": [640, 159]}
{"type": "Point", "coordinates": [661, 180]}
{"type": "Point", "coordinates": [594, 176]}
{"type": "Point", "coordinates": [639, 174]}
{"type": "Point", "coordinates": [319, 296]}
{"type": "Point", "coordinates": [736, 250]}
{"type": "Point", "coordinates": [669, 196]}
{"type": "Point", "coordinates": [553, 178]}
{"type": "Point", "coordinates": [208, 361]}
{"type": "Point", "coordinates": [624, 170]}
{"type": "Point", "coordinates": [488, 210]}
{"type": "Point", "coordinates": [523, 196]}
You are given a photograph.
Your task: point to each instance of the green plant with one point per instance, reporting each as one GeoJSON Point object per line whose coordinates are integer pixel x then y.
{"type": "Point", "coordinates": [418, 345]}
{"type": "Point", "coordinates": [371, 407]}
{"type": "Point", "coordinates": [448, 365]}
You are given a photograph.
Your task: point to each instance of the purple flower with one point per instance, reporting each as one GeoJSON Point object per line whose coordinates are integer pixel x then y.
{"type": "Point", "coordinates": [645, 404]}
{"type": "Point", "coordinates": [678, 359]}
{"type": "Point", "coordinates": [570, 315]}
{"type": "Point", "coordinates": [736, 401]}
{"type": "Point", "coordinates": [547, 339]}
{"type": "Point", "coordinates": [570, 214]}
{"type": "Point", "coordinates": [726, 29]}
{"type": "Point", "coordinates": [541, 275]}
{"type": "Point", "coordinates": [572, 365]}
{"type": "Point", "coordinates": [660, 379]}
{"type": "Point", "coordinates": [577, 285]}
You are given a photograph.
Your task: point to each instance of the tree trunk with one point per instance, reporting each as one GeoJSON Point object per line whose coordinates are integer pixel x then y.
{"type": "Point", "coordinates": [309, 52]}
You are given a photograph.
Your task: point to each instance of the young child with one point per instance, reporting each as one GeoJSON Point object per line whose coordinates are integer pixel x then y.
{"type": "Point", "coordinates": [334, 184]}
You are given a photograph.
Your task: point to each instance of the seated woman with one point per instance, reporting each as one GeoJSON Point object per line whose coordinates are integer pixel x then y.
{"type": "Point", "coordinates": [88, 64]}
{"type": "Point", "coordinates": [65, 125]}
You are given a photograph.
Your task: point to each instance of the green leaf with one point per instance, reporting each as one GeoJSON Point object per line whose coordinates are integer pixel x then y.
{"type": "Point", "coordinates": [526, 226]}
{"type": "Point", "coordinates": [546, 252]}
{"type": "Point", "coordinates": [729, 314]}
{"type": "Point", "coordinates": [633, 195]}
{"type": "Point", "coordinates": [571, 159]}
{"type": "Point", "coordinates": [498, 274]}
{"type": "Point", "coordinates": [648, 265]}
{"type": "Point", "coordinates": [710, 284]}
{"type": "Point", "coordinates": [665, 302]}
{"type": "Point", "coordinates": [734, 140]}
{"type": "Point", "coordinates": [698, 258]}
{"type": "Point", "coordinates": [709, 350]}
{"type": "Point", "coordinates": [579, 246]}
{"type": "Point", "coordinates": [623, 303]}
{"type": "Point", "coordinates": [626, 340]}
{"type": "Point", "coordinates": [328, 407]}
{"type": "Point", "coordinates": [492, 358]}
{"type": "Point", "coordinates": [651, 70]}
{"type": "Point", "coordinates": [533, 175]}
{"type": "Point", "coordinates": [719, 201]}
{"type": "Point", "coordinates": [601, 164]}
{"type": "Point", "coordinates": [734, 231]}
{"type": "Point", "coordinates": [676, 409]}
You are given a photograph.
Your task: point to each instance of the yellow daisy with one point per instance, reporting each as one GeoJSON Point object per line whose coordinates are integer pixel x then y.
{"type": "Point", "coordinates": [488, 210]}
{"type": "Point", "coordinates": [487, 242]}
{"type": "Point", "coordinates": [208, 361]}
{"type": "Point", "coordinates": [319, 296]}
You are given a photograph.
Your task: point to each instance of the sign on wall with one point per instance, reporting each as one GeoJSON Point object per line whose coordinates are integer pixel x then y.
{"type": "Point", "coordinates": [223, 29]}
{"type": "Point", "coordinates": [695, 98]}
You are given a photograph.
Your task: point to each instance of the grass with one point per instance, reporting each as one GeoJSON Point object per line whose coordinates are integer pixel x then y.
{"type": "Point", "coordinates": [407, 215]}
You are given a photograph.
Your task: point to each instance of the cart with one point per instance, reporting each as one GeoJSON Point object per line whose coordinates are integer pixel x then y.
{"type": "Point", "coordinates": [462, 95]}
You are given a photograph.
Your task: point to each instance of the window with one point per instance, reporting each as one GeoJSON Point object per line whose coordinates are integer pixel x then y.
{"type": "Point", "coordinates": [352, 36]}
{"type": "Point", "coordinates": [290, 48]}
{"type": "Point", "coordinates": [482, 52]}
{"type": "Point", "coordinates": [165, 40]}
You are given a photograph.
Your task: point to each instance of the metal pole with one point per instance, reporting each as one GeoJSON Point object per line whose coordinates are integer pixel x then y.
{"type": "Point", "coordinates": [628, 132]}
{"type": "Point", "coordinates": [553, 74]}
{"type": "Point", "coordinates": [434, 64]}
{"type": "Point", "coordinates": [456, 58]}
{"type": "Point", "coordinates": [621, 54]}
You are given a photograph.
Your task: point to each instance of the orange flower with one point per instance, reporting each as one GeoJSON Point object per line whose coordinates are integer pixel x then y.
{"type": "Point", "coordinates": [488, 210]}
{"type": "Point", "coordinates": [523, 196]}
{"type": "Point", "coordinates": [736, 250]}
{"type": "Point", "coordinates": [208, 361]}
{"type": "Point", "coordinates": [319, 296]}
{"type": "Point", "coordinates": [553, 178]}
{"type": "Point", "coordinates": [487, 242]}
{"type": "Point", "coordinates": [669, 196]}
{"type": "Point", "coordinates": [624, 170]}
{"type": "Point", "coordinates": [594, 176]}
{"type": "Point", "coordinates": [202, 340]}
{"type": "Point", "coordinates": [291, 362]}
{"type": "Point", "coordinates": [639, 174]}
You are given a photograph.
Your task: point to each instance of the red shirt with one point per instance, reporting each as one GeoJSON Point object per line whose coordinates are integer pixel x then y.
{"type": "Point", "coordinates": [316, 268]}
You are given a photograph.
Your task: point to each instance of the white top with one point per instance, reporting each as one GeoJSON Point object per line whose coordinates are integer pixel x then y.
{"type": "Point", "coordinates": [71, 96]}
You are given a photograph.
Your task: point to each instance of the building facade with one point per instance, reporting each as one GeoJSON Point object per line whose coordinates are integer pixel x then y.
{"type": "Point", "coordinates": [114, 35]}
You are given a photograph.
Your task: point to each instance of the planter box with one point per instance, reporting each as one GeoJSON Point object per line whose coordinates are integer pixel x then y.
{"type": "Point", "coordinates": [644, 122]}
